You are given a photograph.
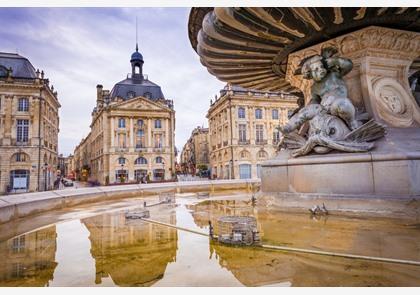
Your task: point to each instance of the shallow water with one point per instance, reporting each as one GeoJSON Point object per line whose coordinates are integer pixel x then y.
{"type": "Point", "coordinates": [96, 246]}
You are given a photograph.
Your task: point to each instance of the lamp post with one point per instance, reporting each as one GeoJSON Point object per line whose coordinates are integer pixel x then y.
{"type": "Point", "coordinates": [163, 164]}
{"type": "Point", "coordinates": [121, 173]}
{"type": "Point", "coordinates": [45, 176]}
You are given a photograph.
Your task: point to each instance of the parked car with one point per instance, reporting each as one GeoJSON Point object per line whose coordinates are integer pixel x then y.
{"type": "Point", "coordinates": [204, 173]}
{"type": "Point", "coordinates": [67, 182]}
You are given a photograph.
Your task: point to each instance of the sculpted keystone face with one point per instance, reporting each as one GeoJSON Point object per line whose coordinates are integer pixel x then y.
{"type": "Point", "coordinates": [318, 71]}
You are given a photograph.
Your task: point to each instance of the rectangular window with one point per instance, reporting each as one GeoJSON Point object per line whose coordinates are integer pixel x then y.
{"type": "Point", "coordinates": [158, 140]}
{"type": "Point", "coordinates": [140, 141]}
{"type": "Point", "coordinates": [121, 123]}
{"type": "Point", "coordinates": [258, 114]}
{"type": "Point", "coordinates": [241, 113]}
{"type": "Point", "coordinates": [23, 105]}
{"type": "Point", "coordinates": [276, 136]}
{"type": "Point", "coordinates": [22, 131]}
{"type": "Point", "coordinates": [244, 171]}
{"type": "Point", "coordinates": [275, 114]}
{"type": "Point", "coordinates": [242, 132]}
{"type": "Point", "coordinates": [259, 133]}
{"type": "Point", "coordinates": [122, 140]}
{"type": "Point", "coordinates": [158, 124]}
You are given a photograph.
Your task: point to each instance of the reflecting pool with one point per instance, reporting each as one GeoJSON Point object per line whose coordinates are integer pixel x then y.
{"type": "Point", "coordinates": [95, 245]}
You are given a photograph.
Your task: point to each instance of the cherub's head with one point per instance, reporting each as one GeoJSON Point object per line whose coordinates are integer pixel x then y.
{"type": "Point", "coordinates": [313, 68]}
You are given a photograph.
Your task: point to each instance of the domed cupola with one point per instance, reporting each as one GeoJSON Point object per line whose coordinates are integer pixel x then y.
{"type": "Point", "coordinates": [137, 64]}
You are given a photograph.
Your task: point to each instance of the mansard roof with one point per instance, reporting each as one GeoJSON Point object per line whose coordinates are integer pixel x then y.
{"type": "Point", "coordinates": [21, 66]}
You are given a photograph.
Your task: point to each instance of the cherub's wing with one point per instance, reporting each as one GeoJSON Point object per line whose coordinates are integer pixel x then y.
{"type": "Point", "coordinates": [292, 141]}
{"type": "Point", "coordinates": [369, 131]}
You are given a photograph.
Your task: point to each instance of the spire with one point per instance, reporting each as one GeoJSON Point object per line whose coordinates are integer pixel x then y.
{"type": "Point", "coordinates": [137, 44]}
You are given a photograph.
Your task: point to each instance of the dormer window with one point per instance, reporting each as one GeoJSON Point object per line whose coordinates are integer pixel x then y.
{"type": "Point", "coordinates": [147, 95]}
{"type": "Point", "coordinates": [131, 94]}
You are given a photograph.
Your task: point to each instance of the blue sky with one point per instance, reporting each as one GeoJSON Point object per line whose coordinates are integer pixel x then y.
{"type": "Point", "coordinates": [79, 48]}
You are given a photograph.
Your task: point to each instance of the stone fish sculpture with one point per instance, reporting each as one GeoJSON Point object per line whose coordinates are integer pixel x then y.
{"type": "Point", "coordinates": [333, 123]}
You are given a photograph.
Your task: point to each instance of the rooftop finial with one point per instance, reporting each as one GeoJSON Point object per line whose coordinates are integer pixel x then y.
{"type": "Point", "coordinates": [137, 44]}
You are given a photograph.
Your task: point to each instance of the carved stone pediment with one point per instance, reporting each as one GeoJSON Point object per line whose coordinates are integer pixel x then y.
{"type": "Point", "coordinates": [140, 104]}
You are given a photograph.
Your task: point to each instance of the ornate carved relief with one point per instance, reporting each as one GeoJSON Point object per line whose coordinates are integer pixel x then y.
{"type": "Point", "coordinates": [393, 103]}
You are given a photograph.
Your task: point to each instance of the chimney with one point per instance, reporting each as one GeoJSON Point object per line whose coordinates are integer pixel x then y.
{"type": "Point", "coordinates": [99, 96]}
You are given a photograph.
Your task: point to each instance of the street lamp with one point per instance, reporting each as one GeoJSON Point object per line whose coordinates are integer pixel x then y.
{"type": "Point", "coordinates": [45, 176]}
{"type": "Point", "coordinates": [122, 173]}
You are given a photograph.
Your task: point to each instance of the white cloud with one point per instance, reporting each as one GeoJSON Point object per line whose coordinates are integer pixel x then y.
{"type": "Point", "coordinates": [80, 48]}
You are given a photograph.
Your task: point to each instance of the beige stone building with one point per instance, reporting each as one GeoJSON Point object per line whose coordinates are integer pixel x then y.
{"type": "Point", "coordinates": [29, 126]}
{"type": "Point", "coordinates": [242, 130]}
{"type": "Point", "coordinates": [132, 132]}
{"type": "Point", "coordinates": [195, 152]}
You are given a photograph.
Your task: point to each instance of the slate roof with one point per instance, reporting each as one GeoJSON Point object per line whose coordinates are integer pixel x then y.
{"type": "Point", "coordinates": [140, 87]}
{"type": "Point", "coordinates": [21, 66]}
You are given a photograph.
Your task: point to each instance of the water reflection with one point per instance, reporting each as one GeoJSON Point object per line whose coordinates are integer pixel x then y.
{"type": "Point", "coordinates": [29, 259]}
{"type": "Point", "coordinates": [132, 253]}
{"type": "Point", "coordinates": [254, 267]}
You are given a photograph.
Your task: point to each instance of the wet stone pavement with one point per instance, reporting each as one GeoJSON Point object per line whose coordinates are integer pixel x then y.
{"type": "Point", "coordinates": [95, 245]}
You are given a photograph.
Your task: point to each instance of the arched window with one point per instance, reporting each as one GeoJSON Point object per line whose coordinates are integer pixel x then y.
{"type": "Point", "coordinates": [23, 104]}
{"type": "Point", "coordinates": [140, 123]}
{"type": "Point", "coordinates": [121, 160]}
{"type": "Point", "coordinates": [241, 113]}
{"type": "Point", "coordinates": [258, 114]}
{"type": "Point", "coordinates": [275, 114]}
{"type": "Point", "coordinates": [140, 161]}
{"type": "Point", "coordinates": [159, 160]}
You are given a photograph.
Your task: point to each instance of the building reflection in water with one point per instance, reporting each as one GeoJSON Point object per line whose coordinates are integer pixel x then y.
{"type": "Point", "coordinates": [206, 211]}
{"type": "Point", "coordinates": [131, 252]}
{"type": "Point", "coordinates": [29, 259]}
{"type": "Point", "coordinates": [256, 266]}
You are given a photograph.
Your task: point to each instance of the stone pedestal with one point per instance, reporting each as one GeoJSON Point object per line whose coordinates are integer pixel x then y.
{"type": "Point", "coordinates": [378, 85]}
{"type": "Point", "coordinates": [391, 169]}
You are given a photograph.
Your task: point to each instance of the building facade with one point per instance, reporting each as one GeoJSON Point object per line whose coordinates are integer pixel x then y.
{"type": "Point", "coordinates": [132, 133]}
{"type": "Point", "coordinates": [29, 126]}
{"type": "Point", "coordinates": [242, 130]}
{"type": "Point", "coordinates": [195, 153]}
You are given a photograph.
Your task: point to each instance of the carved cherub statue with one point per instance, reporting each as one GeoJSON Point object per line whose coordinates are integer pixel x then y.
{"type": "Point", "coordinates": [331, 114]}
{"type": "Point", "coordinates": [328, 92]}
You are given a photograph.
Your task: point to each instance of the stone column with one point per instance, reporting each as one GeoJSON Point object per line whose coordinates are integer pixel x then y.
{"type": "Point", "coordinates": [378, 82]}
{"type": "Point", "coordinates": [131, 133]}
{"type": "Point", "coordinates": [112, 132]}
{"type": "Point", "coordinates": [167, 132]}
{"type": "Point", "coordinates": [149, 133]}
